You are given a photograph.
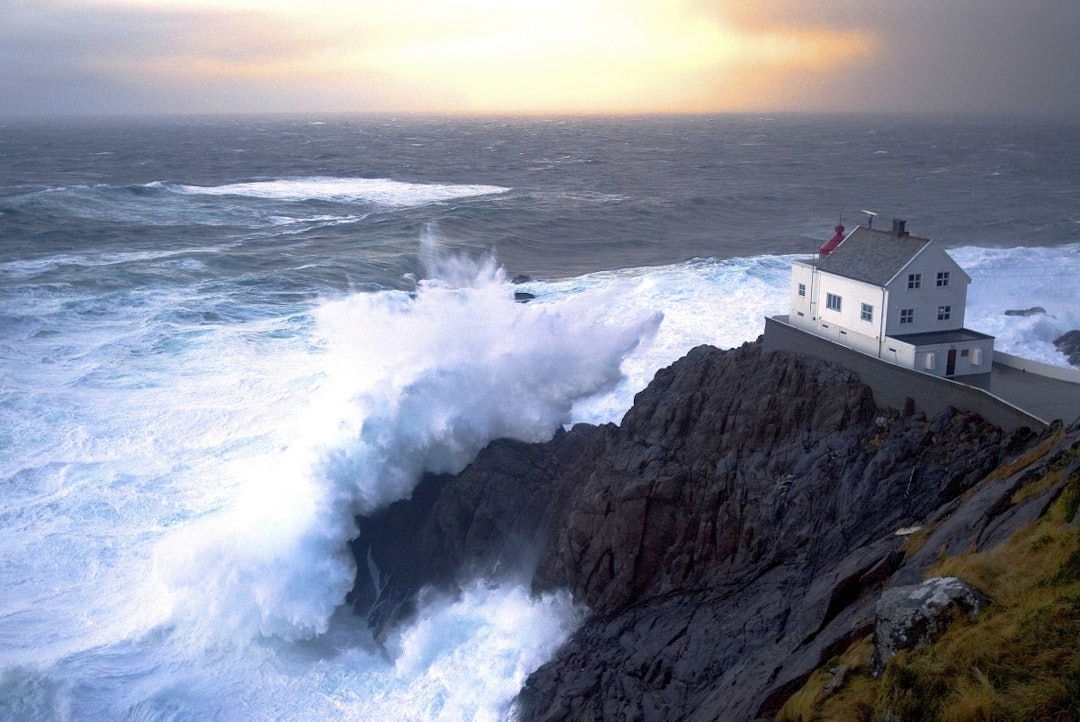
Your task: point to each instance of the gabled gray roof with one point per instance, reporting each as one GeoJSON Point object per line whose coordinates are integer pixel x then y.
{"type": "Point", "coordinates": [872, 256]}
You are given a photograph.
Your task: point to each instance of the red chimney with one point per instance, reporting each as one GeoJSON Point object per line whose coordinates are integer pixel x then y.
{"type": "Point", "coordinates": [831, 244]}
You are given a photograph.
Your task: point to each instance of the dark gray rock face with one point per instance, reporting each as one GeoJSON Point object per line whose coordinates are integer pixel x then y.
{"type": "Point", "coordinates": [912, 615]}
{"type": "Point", "coordinates": [1034, 310]}
{"type": "Point", "coordinates": [488, 521]}
{"type": "Point", "coordinates": [733, 533]}
{"type": "Point", "coordinates": [1069, 344]}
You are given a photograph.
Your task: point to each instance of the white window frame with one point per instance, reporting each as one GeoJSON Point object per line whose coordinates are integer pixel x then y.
{"type": "Point", "coordinates": [867, 313]}
{"type": "Point", "coordinates": [914, 280]}
{"type": "Point", "coordinates": [907, 316]}
{"type": "Point", "coordinates": [833, 302]}
{"type": "Point", "coordinates": [944, 313]}
{"type": "Point", "coordinates": [942, 279]}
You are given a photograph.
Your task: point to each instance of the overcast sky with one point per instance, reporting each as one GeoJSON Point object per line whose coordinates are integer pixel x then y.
{"type": "Point", "coordinates": [80, 57]}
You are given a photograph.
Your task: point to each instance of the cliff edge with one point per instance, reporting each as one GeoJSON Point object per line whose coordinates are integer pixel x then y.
{"type": "Point", "coordinates": [733, 533]}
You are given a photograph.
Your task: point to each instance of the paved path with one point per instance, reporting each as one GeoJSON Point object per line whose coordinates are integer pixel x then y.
{"type": "Point", "coordinates": [1040, 396]}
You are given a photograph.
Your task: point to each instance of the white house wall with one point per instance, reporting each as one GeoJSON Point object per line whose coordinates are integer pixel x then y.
{"type": "Point", "coordinates": [926, 299]}
{"type": "Point", "coordinates": [850, 338]}
{"type": "Point", "coordinates": [899, 353]}
{"type": "Point", "coordinates": [933, 358]}
{"type": "Point", "coordinates": [853, 294]}
{"type": "Point", "coordinates": [800, 312]}
{"type": "Point", "coordinates": [979, 361]}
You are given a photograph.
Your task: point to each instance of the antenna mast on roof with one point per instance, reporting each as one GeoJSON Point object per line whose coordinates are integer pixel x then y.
{"type": "Point", "coordinates": [869, 218]}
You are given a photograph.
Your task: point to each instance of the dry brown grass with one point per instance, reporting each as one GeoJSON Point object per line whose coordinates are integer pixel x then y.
{"type": "Point", "coordinates": [1018, 660]}
{"type": "Point", "coordinates": [815, 702]}
{"type": "Point", "coordinates": [1028, 458]}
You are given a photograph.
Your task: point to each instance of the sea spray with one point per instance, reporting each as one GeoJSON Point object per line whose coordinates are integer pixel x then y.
{"type": "Point", "coordinates": [704, 301]}
{"type": "Point", "coordinates": [466, 658]}
{"type": "Point", "coordinates": [409, 383]}
{"type": "Point", "coordinates": [1009, 278]}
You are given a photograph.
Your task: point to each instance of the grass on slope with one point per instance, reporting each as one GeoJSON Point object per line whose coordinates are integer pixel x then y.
{"type": "Point", "coordinates": [1018, 660]}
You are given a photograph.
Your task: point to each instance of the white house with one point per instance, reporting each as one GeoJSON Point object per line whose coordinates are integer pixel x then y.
{"type": "Point", "coordinates": [891, 295]}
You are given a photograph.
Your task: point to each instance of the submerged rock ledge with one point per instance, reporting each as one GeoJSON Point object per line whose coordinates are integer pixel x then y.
{"type": "Point", "coordinates": [729, 536]}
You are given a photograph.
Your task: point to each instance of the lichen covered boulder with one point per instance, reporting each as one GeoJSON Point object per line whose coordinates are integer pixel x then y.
{"type": "Point", "coordinates": [911, 615]}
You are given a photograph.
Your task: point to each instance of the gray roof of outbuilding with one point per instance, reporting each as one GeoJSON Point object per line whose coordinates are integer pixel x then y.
{"type": "Point", "coordinates": [956, 335]}
{"type": "Point", "coordinates": [872, 256]}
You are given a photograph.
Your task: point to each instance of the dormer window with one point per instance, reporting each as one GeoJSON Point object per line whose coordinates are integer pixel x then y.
{"type": "Point", "coordinates": [942, 278]}
{"type": "Point", "coordinates": [914, 280]}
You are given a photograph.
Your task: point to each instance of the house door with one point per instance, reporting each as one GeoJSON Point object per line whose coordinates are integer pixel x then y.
{"type": "Point", "coordinates": [950, 363]}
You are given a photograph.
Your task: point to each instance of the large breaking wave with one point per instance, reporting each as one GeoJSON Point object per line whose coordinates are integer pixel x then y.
{"type": "Point", "coordinates": [407, 383]}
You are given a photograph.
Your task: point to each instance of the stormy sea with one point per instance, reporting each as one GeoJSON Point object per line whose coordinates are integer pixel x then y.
{"type": "Point", "coordinates": [221, 338]}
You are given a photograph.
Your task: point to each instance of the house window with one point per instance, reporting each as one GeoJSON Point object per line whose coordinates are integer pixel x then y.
{"type": "Point", "coordinates": [907, 316]}
{"type": "Point", "coordinates": [944, 313]}
{"type": "Point", "coordinates": [832, 301]}
{"type": "Point", "coordinates": [942, 278]}
{"type": "Point", "coordinates": [802, 289]}
{"type": "Point", "coordinates": [867, 312]}
{"type": "Point", "coordinates": [914, 280]}
{"type": "Point", "coordinates": [964, 353]}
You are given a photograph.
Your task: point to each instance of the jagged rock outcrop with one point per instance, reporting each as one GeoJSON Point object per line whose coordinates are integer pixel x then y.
{"type": "Point", "coordinates": [1069, 344]}
{"type": "Point", "coordinates": [1034, 310]}
{"type": "Point", "coordinates": [732, 533]}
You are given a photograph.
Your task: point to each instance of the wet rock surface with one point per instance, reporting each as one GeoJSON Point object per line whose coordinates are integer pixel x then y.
{"type": "Point", "coordinates": [1069, 344]}
{"type": "Point", "coordinates": [1033, 311]}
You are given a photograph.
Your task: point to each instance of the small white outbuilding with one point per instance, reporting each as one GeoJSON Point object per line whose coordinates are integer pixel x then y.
{"type": "Point", "coordinates": [891, 295]}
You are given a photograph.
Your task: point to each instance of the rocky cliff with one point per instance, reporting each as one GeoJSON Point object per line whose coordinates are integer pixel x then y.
{"type": "Point", "coordinates": [730, 535]}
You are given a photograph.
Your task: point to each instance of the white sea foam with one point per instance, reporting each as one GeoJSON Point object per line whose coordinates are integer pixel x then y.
{"type": "Point", "coordinates": [380, 191]}
{"type": "Point", "coordinates": [408, 383]}
{"type": "Point", "coordinates": [466, 658]}
{"type": "Point", "coordinates": [1004, 279]}
{"type": "Point", "coordinates": [722, 303]}
{"type": "Point", "coordinates": [24, 269]}
{"type": "Point", "coordinates": [211, 487]}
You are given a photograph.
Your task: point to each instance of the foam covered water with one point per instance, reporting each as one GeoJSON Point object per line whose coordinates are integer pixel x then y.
{"type": "Point", "coordinates": [408, 383]}
{"type": "Point", "coordinates": [1018, 279]}
{"type": "Point", "coordinates": [211, 483]}
{"type": "Point", "coordinates": [381, 191]}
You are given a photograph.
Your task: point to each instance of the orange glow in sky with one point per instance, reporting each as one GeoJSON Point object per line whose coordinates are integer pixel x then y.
{"type": "Point", "coordinates": [486, 55]}
{"type": "Point", "coordinates": [537, 56]}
